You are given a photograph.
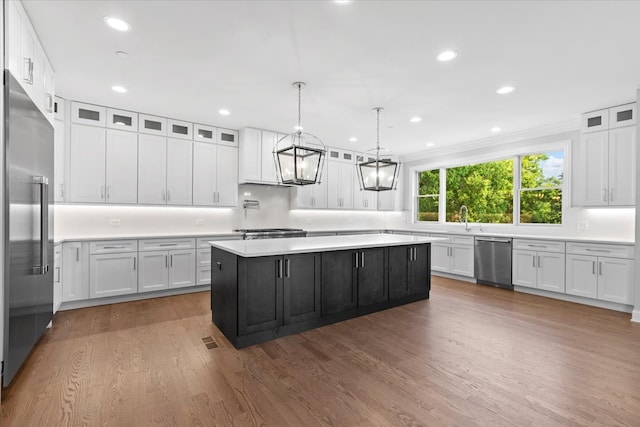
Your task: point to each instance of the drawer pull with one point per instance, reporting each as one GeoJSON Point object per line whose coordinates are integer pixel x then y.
{"type": "Point", "coordinates": [536, 246]}
{"type": "Point", "coordinates": [168, 244]}
{"type": "Point", "coordinates": [598, 250]}
{"type": "Point", "coordinates": [113, 247]}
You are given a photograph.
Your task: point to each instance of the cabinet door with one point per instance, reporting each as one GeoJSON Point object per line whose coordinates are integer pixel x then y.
{"type": "Point", "coordinates": [259, 294]}
{"type": "Point", "coordinates": [13, 39]}
{"type": "Point", "coordinates": [268, 164]}
{"type": "Point", "coordinates": [113, 274]}
{"type": "Point", "coordinates": [582, 279]}
{"type": "Point", "coordinates": [152, 169]}
{"type": "Point", "coordinates": [462, 260]}
{"type": "Point", "coordinates": [154, 271]}
{"type": "Point", "coordinates": [75, 271]}
{"type": "Point", "coordinates": [49, 90]}
{"type": "Point", "coordinates": [30, 62]}
{"type": "Point", "coordinates": [204, 173]}
{"type": "Point", "coordinates": [122, 167]}
{"type": "Point", "coordinates": [122, 120]}
{"type": "Point", "coordinates": [203, 267]}
{"type": "Point", "coordinates": [179, 172]}
{"type": "Point", "coordinates": [319, 200]}
{"type": "Point", "coordinates": [525, 265]}
{"type": "Point", "coordinates": [347, 173]}
{"type": "Point", "coordinates": [419, 270]}
{"type": "Point", "coordinates": [58, 160]}
{"type": "Point", "coordinates": [152, 125]}
{"type": "Point", "coordinates": [399, 259]}
{"type": "Point", "coordinates": [339, 281]}
{"type": "Point", "coordinates": [87, 150]}
{"type": "Point", "coordinates": [551, 273]}
{"type": "Point", "coordinates": [87, 114]}
{"type": "Point", "coordinates": [622, 166]}
{"type": "Point", "coordinates": [182, 268]}
{"type": "Point", "coordinates": [57, 277]}
{"type": "Point", "coordinates": [593, 165]}
{"type": "Point", "coordinates": [333, 185]}
{"type": "Point", "coordinates": [250, 169]}
{"type": "Point", "coordinates": [227, 176]}
{"type": "Point", "coordinates": [372, 280]}
{"type": "Point", "coordinates": [615, 280]}
{"type": "Point", "coordinates": [301, 287]}
{"type": "Point", "coordinates": [440, 260]}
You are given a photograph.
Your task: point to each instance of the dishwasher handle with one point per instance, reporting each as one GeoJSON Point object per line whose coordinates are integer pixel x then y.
{"type": "Point", "coordinates": [492, 240]}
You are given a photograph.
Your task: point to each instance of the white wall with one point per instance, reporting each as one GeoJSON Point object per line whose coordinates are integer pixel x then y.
{"type": "Point", "coordinates": [94, 220]}
{"type": "Point", "coordinates": [636, 310]}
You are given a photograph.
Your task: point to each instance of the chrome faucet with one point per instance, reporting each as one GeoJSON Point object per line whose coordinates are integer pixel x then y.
{"type": "Point", "coordinates": [466, 217]}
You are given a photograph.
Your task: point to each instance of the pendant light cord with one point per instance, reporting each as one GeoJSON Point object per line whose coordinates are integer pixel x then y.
{"type": "Point", "coordinates": [299, 106]}
{"type": "Point", "coordinates": [378, 135]}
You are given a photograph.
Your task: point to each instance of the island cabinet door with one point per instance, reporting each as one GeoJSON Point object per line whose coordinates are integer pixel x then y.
{"type": "Point", "coordinates": [419, 270]}
{"type": "Point", "coordinates": [339, 281]}
{"type": "Point", "coordinates": [301, 287]}
{"type": "Point", "coordinates": [372, 280]}
{"type": "Point", "coordinates": [399, 259]}
{"type": "Point", "coordinates": [259, 293]}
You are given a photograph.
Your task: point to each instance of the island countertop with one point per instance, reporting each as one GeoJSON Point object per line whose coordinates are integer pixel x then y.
{"type": "Point", "coordinates": [294, 245]}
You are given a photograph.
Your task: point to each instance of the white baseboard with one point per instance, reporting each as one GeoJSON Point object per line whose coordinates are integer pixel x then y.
{"type": "Point", "coordinates": [635, 315]}
{"type": "Point", "coordinates": [454, 276]}
{"type": "Point", "coordinates": [580, 300]}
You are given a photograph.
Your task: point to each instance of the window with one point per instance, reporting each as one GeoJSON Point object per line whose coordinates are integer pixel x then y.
{"type": "Point", "coordinates": [428, 195]}
{"type": "Point", "coordinates": [486, 189]}
{"type": "Point", "coordinates": [541, 177]}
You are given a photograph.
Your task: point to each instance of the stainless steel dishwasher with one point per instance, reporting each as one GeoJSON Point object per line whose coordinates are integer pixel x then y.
{"type": "Point", "coordinates": [492, 261]}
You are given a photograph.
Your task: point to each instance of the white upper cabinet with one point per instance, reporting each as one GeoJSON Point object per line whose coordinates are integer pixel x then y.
{"type": "Point", "coordinates": [204, 133]}
{"type": "Point", "coordinates": [595, 121]}
{"type": "Point", "coordinates": [87, 150]}
{"type": "Point", "coordinates": [227, 176]}
{"type": "Point", "coordinates": [121, 167]}
{"type": "Point", "coordinates": [215, 175]}
{"type": "Point", "coordinates": [268, 166]}
{"type": "Point", "coordinates": [152, 170]}
{"type": "Point", "coordinates": [58, 160]}
{"type": "Point", "coordinates": [179, 172]}
{"type": "Point", "coordinates": [152, 125]}
{"type": "Point", "coordinates": [122, 120]}
{"type": "Point", "coordinates": [622, 166]}
{"type": "Point", "coordinates": [178, 129]}
{"type": "Point", "coordinates": [340, 185]}
{"type": "Point", "coordinates": [622, 115]}
{"type": "Point", "coordinates": [87, 114]}
{"type": "Point", "coordinates": [256, 162]}
{"type": "Point", "coordinates": [227, 137]}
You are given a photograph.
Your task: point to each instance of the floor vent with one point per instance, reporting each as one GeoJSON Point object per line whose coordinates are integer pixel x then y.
{"type": "Point", "coordinates": [209, 343]}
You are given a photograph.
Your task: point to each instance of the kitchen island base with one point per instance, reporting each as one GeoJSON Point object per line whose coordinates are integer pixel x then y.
{"type": "Point", "coordinates": [260, 298]}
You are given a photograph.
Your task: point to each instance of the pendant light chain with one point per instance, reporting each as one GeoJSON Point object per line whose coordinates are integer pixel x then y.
{"type": "Point", "coordinates": [299, 105]}
{"type": "Point", "coordinates": [378, 135]}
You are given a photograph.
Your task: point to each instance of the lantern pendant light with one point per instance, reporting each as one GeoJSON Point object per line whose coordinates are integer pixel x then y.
{"type": "Point", "coordinates": [299, 156]}
{"type": "Point", "coordinates": [379, 174]}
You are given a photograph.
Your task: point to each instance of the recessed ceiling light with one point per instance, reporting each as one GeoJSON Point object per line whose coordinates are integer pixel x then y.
{"type": "Point", "coordinates": [505, 89]}
{"type": "Point", "coordinates": [119, 89]}
{"type": "Point", "coordinates": [341, 2]}
{"type": "Point", "coordinates": [116, 23]}
{"type": "Point", "coordinates": [415, 119]}
{"type": "Point", "coordinates": [353, 139]}
{"type": "Point", "coordinates": [430, 144]}
{"type": "Point", "coordinates": [447, 55]}
{"type": "Point", "coordinates": [224, 112]}
{"type": "Point", "coordinates": [122, 54]}
{"type": "Point", "coordinates": [495, 129]}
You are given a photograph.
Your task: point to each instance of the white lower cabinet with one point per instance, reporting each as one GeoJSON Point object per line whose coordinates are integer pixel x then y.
{"type": "Point", "coordinates": [154, 271]}
{"type": "Point", "coordinates": [203, 269]}
{"type": "Point", "coordinates": [182, 268]}
{"type": "Point", "coordinates": [454, 255]}
{"type": "Point", "coordinates": [542, 270]}
{"type": "Point", "coordinates": [113, 274]}
{"type": "Point", "coordinates": [607, 279]}
{"type": "Point", "coordinates": [167, 264]}
{"type": "Point", "coordinates": [75, 271]}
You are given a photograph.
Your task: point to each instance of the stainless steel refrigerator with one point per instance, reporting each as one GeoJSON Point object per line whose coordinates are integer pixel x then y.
{"type": "Point", "coordinates": [28, 226]}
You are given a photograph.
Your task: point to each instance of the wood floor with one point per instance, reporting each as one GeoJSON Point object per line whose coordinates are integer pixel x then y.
{"type": "Point", "coordinates": [471, 355]}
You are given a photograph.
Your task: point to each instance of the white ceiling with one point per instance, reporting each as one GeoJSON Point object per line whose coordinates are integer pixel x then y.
{"type": "Point", "coordinates": [188, 59]}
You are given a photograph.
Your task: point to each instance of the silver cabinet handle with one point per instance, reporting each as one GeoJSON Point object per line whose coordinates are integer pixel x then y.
{"type": "Point", "coordinates": [600, 268]}
{"type": "Point", "coordinates": [113, 247]}
{"type": "Point", "coordinates": [78, 254]}
{"type": "Point", "coordinates": [57, 274]}
{"type": "Point", "coordinates": [611, 194]}
{"type": "Point", "coordinates": [597, 250]}
{"type": "Point", "coordinates": [533, 257]}
{"type": "Point", "coordinates": [167, 244]}
{"type": "Point", "coordinates": [166, 260]}
{"type": "Point", "coordinates": [163, 196]}
{"type": "Point", "coordinates": [171, 260]}
{"type": "Point", "coordinates": [593, 267]}
{"type": "Point", "coordinates": [168, 196]}
{"type": "Point", "coordinates": [61, 190]}
{"type": "Point", "coordinates": [415, 254]}
{"type": "Point", "coordinates": [410, 254]}
{"type": "Point", "coordinates": [29, 68]}
{"type": "Point", "coordinates": [134, 263]}
{"type": "Point", "coordinates": [535, 246]}
{"type": "Point", "coordinates": [49, 99]}
{"type": "Point", "coordinates": [108, 191]}
{"type": "Point", "coordinates": [279, 268]}
{"type": "Point", "coordinates": [102, 191]}
{"type": "Point", "coordinates": [362, 263]}
{"type": "Point", "coordinates": [356, 255]}
{"type": "Point", "coordinates": [287, 267]}
{"type": "Point", "coordinates": [539, 265]}
{"type": "Point", "coordinates": [43, 182]}
{"type": "Point", "coordinates": [604, 194]}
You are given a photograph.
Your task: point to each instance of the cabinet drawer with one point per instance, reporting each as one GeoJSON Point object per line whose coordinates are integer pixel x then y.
{"type": "Point", "coordinates": [539, 245]}
{"type": "Point", "coordinates": [622, 115]}
{"type": "Point", "coordinates": [88, 114]}
{"type": "Point", "coordinates": [203, 257]}
{"type": "Point", "coordinates": [178, 129]}
{"type": "Point", "coordinates": [446, 237]}
{"type": "Point", "coordinates": [203, 242]}
{"type": "Point", "coordinates": [462, 240]}
{"type": "Point", "coordinates": [166, 244]}
{"type": "Point", "coordinates": [152, 125]}
{"type": "Point", "coordinates": [600, 249]}
{"type": "Point", "coordinates": [227, 137]}
{"type": "Point", "coordinates": [203, 276]}
{"type": "Point", "coordinates": [595, 121]}
{"type": "Point", "coordinates": [113, 246]}
{"type": "Point", "coordinates": [204, 133]}
{"type": "Point", "coordinates": [122, 120]}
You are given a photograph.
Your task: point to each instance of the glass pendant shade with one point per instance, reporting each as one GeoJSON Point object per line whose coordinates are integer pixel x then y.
{"type": "Point", "coordinates": [299, 163]}
{"type": "Point", "coordinates": [378, 175]}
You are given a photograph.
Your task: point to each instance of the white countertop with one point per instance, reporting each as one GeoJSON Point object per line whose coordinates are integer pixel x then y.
{"type": "Point", "coordinates": [295, 245]}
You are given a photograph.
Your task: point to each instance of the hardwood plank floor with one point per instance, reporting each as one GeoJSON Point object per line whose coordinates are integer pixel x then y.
{"type": "Point", "coordinates": [471, 355]}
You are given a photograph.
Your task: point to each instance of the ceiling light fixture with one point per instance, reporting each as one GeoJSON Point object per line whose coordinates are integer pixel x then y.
{"type": "Point", "coordinates": [224, 112]}
{"type": "Point", "coordinates": [341, 2]}
{"type": "Point", "coordinates": [379, 174]}
{"type": "Point", "coordinates": [430, 144]}
{"type": "Point", "coordinates": [447, 55]}
{"type": "Point", "coordinates": [505, 90]}
{"type": "Point", "coordinates": [415, 119]}
{"type": "Point", "coordinates": [301, 161]}
{"type": "Point", "coordinates": [495, 129]}
{"type": "Point", "coordinates": [122, 54]}
{"type": "Point", "coordinates": [353, 139]}
{"type": "Point", "coordinates": [116, 23]}
{"type": "Point", "coordinates": [119, 89]}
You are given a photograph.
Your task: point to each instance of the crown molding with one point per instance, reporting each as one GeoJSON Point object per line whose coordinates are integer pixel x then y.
{"type": "Point", "coordinates": [494, 141]}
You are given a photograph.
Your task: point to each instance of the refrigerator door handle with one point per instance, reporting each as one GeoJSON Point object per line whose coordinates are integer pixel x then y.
{"type": "Point", "coordinates": [43, 182]}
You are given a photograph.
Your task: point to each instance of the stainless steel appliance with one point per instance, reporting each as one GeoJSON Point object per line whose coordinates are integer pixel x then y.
{"type": "Point", "coordinates": [271, 233]}
{"type": "Point", "coordinates": [28, 226]}
{"type": "Point", "coordinates": [493, 261]}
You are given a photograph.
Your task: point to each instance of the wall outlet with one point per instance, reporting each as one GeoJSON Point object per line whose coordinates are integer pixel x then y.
{"type": "Point", "coordinates": [114, 221]}
{"type": "Point", "coordinates": [583, 225]}
{"type": "Point", "coordinates": [199, 221]}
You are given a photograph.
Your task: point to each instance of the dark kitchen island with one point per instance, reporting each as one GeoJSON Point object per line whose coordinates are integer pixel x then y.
{"type": "Point", "coordinates": [265, 289]}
